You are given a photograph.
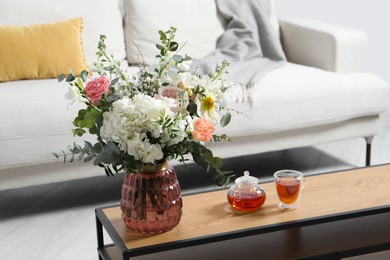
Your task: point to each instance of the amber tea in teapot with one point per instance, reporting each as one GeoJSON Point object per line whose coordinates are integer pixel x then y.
{"type": "Point", "coordinates": [246, 194]}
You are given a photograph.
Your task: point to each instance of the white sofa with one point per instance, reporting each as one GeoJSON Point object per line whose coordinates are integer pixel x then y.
{"type": "Point", "coordinates": [320, 95]}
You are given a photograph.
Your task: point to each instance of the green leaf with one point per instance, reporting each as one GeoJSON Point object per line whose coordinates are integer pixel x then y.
{"type": "Point", "coordinates": [89, 157]}
{"type": "Point", "coordinates": [216, 162]}
{"type": "Point", "coordinates": [178, 58]}
{"type": "Point", "coordinates": [114, 81]}
{"type": "Point", "coordinates": [173, 46]}
{"type": "Point", "coordinates": [192, 108]}
{"type": "Point", "coordinates": [225, 120]}
{"type": "Point", "coordinates": [97, 148]}
{"type": "Point", "coordinates": [76, 149]}
{"type": "Point", "coordinates": [81, 123]}
{"type": "Point", "coordinates": [96, 113]}
{"type": "Point", "coordinates": [78, 131]}
{"type": "Point", "coordinates": [207, 154]}
{"type": "Point", "coordinates": [84, 75]}
{"type": "Point", "coordinates": [82, 113]}
{"type": "Point", "coordinates": [81, 155]}
{"type": "Point", "coordinates": [94, 130]}
{"type": "Point", "coordinates": [163, 36]}
{"type": "Point", "coordinates": [88, 145]}
{"type": "Point", "coordinates": [159, 46]}
{"type": "Point", "coordinates": [89, 120]}
{"type": "Point", "coordinates": [70, 78]}
{"type": "Point", "coordinates": [100, 158]}
{"type": "Point", "coordinates": [198, 159]}
{"type": "Point", "coordinates": [61, 77]}
{"type": "Point", "coordinates": [112, 146]}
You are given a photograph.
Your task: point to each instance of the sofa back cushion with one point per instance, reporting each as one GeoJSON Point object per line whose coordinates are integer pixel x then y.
{"type": "Point", "coordinates": [99, 16]}
{"type": "Point", "coordinates": [41, 51]}
{"type": "Point", "coordinates": [197, 23]}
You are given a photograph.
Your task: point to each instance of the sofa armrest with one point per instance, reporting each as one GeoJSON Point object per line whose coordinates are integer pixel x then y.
{"type": "Point", "coordinates": [325, 46]}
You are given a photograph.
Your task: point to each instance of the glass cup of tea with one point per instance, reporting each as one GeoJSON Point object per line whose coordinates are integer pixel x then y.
{"type": "Point", "coordinates": [289, 184]}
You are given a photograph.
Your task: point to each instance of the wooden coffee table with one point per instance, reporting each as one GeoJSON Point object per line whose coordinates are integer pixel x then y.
{"type": "Point", "coordinates": [342, 214]}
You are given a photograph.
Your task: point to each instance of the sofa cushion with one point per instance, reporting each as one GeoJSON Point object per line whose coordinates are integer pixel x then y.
{"type": "Point", "coordinates": [295, 96]}
{"type": "Point", "coordinates": [99, 16]}
{"type": "Point", "coordinates": [199, 26]}
{"type": "Point", "coordinates": [41, 51]}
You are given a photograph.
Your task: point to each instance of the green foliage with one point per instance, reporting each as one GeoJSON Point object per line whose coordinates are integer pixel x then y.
{"type": "Point", "coordinates": [90, 118]}
{"type": "Point", "coordinates": [211, 164]}
{"type": "Point", "coordinates": [220, 71]}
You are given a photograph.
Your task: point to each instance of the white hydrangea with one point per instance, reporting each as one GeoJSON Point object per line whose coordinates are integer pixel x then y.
{"type": "Point", "coordinates": [142, 149]}
{"type": "Point", "coordinates": [130, 120]}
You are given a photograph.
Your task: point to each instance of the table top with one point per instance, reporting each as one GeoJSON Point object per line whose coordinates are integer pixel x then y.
{"type": "Point", "coordinates": [208, 217]}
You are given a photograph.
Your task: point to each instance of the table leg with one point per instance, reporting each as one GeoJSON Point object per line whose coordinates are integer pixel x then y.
{"type": "Point", "coordinates": [99, 233]}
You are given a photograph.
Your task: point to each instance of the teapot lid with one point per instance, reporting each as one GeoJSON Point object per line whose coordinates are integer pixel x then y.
{"type": "Point", "coordinates": [246, 180]}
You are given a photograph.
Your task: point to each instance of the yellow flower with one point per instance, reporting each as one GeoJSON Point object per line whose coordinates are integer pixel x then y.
{"type": "Point", "coordinates": [208, 103]}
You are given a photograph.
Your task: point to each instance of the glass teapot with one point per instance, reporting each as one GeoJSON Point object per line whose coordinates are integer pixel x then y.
{"type": "Point", "coordinates": [246, 194]}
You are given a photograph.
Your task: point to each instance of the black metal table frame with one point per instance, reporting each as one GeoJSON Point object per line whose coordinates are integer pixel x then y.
{"type": "Point", "coordinates": [102, 220]}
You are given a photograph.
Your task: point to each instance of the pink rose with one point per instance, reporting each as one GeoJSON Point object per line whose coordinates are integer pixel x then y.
{"type": "Point", "coordinates": [170, 92]}
{"type": "Point", "coordinates": [96, 88]}
{"type": "Point", "coordinates": [203, 130]}
{"type": "Point", "coordinates": [173, 93]}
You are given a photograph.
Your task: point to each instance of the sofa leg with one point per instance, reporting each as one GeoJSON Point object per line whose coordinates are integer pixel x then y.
{"type": "Point", "coordinates": [368, 149]}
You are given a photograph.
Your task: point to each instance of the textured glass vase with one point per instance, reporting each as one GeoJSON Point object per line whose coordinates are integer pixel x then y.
{"type": "Point", "coordinates": [151, 199]}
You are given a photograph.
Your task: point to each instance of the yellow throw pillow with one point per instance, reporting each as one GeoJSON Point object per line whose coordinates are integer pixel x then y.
{"type": "Point", "coordinates": [41, 51]}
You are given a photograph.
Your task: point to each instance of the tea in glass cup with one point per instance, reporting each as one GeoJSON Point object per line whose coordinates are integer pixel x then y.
{"type": "Point", "coordinates": [289, 184]}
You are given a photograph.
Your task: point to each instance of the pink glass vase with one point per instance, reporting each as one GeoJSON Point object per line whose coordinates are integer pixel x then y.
{"type": "Point", "coordinates": [151, 199]}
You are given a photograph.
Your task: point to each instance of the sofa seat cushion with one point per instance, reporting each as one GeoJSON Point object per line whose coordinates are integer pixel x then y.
{"type": "Point", "coordinates": [35, 121]}
{"type": "Point", "coordinates": [295, 96]}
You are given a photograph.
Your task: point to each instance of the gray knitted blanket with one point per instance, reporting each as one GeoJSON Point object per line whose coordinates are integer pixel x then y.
{"type": "Point", "coordinates": [249, 42]}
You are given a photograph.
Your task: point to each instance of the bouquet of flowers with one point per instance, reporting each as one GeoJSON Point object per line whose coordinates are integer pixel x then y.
{"type": "Point", "coordinates": [165, 111]}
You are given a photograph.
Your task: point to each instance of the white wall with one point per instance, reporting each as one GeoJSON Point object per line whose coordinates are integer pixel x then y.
{"type": "Point", "coordinates": [370, 16]}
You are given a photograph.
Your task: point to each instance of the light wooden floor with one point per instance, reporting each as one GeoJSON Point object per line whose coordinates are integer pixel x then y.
{"type": "Point", "coordinates": [56, 221]}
